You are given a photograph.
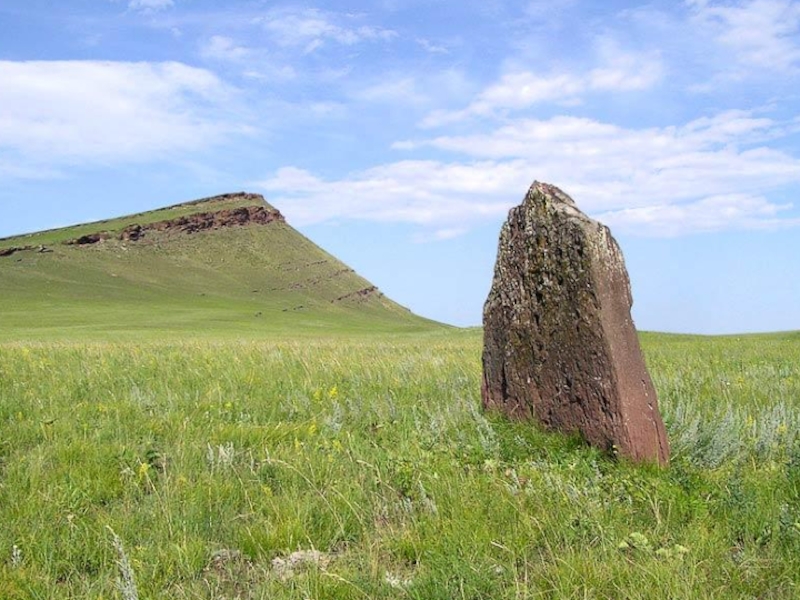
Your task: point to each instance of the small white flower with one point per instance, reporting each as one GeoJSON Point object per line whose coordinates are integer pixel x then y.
{"type": "Point", "coordinates": [16, 556]}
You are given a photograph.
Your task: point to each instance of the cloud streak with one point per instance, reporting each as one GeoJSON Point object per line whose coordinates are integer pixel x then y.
{"type": "Point", "coordinates": [312, 28]}
{"type": "Point", "coordinates": [715, 213]}
{"type": "Point", "coordinates": [150, 6]}
{"type": "Point", "coordinates": [761, 34]}
{"type": "Point", "coordinates": [443, 197]}
{"type": "Point", "coordinates": [519, 90]}
{"type": "Point", "coordinates": [220, 47]}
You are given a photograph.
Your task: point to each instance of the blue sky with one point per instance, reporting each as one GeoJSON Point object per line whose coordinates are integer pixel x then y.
{"type": "Point", "coordinates": [397, 133]}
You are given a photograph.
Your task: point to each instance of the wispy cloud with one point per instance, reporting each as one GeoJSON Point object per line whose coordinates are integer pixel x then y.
{"type": "Point", "coordinates": [517, 90]}
{"type": "Point", "coordinates": [609, 143]}
{"type": "Point", "coordinates": [544, 10]}
{"type": "Point", "coordinates": [438, 235]}
{"type": "Point", "coordinates": [393, 89]}
{"type": "Point", "coordinates": [21, 170]}
{"type": "Point", "coordinates": [431, 47]}
{"type": "Point", "coordinates": [219, 47]}
{"type": "Point", "coordinates": [91, 112]}
{"type": "Point", "coordinates": [440, 195]}
{"type": "Point", "coordinates": [408, 94]}
{"type": "Point", "coordinates": [253, 63]}
{"type": "Point", "coordinates": [759, 34]}
{"type": "Point", "coordinates": [311, 28]}
{"type": "Point", "coordinates": [150, 6]}
{"type": "Point", "coordinates": [715, 213]}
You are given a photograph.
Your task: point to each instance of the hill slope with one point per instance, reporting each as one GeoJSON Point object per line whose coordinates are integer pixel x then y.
{"type": "Point", "coordinates": [225, 264]}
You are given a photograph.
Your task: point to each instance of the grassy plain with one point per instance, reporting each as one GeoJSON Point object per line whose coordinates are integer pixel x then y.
{"type": "Point", "coordinates": [196, 467]}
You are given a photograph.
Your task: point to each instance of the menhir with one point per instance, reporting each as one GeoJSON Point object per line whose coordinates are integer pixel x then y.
{"type": "Point", "coordinates": [559, 342]}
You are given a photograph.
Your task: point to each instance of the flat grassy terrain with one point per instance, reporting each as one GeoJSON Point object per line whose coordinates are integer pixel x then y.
{"type": "Point", "coordinates": [360, 466]}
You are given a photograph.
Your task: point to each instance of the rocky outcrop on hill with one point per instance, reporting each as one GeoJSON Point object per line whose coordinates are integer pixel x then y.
{"type": "Point", "coordinates": [559, 342]}
{"type": "Point", "coordinates": [12, 250]}
{"type": "Point", "coordinates": [88, 239]}
{"type": "Point", "coordinates": [359, 295]}
{"type": "Point", "coordinates": [41, 249]}
{"type": "Point", "coordinates": [233, 217]}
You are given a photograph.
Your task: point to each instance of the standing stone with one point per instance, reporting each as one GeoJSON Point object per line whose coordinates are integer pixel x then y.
{"type": "Point", "coordinates": [560, 346]}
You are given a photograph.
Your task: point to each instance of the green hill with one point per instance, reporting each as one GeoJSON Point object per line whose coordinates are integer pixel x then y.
{"type": "Point", "coordinates": [223, 265]}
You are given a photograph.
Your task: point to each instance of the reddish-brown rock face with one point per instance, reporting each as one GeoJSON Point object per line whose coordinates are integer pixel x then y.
{"type": "Point", "coordinates": [560, 346]}
{"type": "Point", "coordinates": [233, 217]}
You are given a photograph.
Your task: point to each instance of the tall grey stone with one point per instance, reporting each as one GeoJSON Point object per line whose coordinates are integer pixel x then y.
{"type": "Point", "coordinates": [560, 346]}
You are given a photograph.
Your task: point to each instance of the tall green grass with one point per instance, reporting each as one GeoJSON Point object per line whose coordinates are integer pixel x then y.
{"type": "Point", "coordinates": [208, 467]}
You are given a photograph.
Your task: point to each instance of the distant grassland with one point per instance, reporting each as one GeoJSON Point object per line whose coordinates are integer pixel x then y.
{"type": "Point", "coordinates": [195, 468]}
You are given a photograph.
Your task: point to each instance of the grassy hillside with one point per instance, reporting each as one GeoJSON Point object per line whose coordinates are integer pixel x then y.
{"type": "Point", "coordinates": [239, 280]}
{"type": "Point", "coordinates": [364, 468]}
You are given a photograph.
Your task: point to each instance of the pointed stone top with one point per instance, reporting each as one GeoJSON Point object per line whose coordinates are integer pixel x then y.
{"type": "Point", "coordinates": [542, 195]}
{"type": "Point", "coordinates": [550, 191]}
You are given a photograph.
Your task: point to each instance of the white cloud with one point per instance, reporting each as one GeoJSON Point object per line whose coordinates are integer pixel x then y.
{"type": "Point", "coordinates": [587, 138]}
{"type": "Point", "coordinates": [429, 46]}
{"type": "Point", "coordinates": [716, 213]}
{"type": "Point", "coordinates": [623, 71]}
{"type": "Point", "coordinates": [408, 93]}
{"type": "Point", "coordinates": [150, 5]}
{"type": "Point", "coordinates": [271, 74]}
{"type": "Point", "coordinates": [403, 89]}
{"type": "Point", "coordinates": [707, 174]}
{"type": "Point", "coordinates": [91, 112]}
{"type": "Point", "coordinates": [439, 235]}
{"type": "Point", "coordinates": [521, 89]}
{"type": "Point", "coordinates": [513, 91]}
{"type": "Point", "coordinates": [220, 47]}
{"type": "Point", "coordinates": [546, 10]}
{"type": "Point", "coordinates": [759, 34]}
{"type": "Point", "coordinates": [311, 28]}
{"type": "Point", "coordinates": [616, 167]}
{"type": "Point", "coordinates": [441, 195]}
{"type": "Point", "coordinates": [16, 169]}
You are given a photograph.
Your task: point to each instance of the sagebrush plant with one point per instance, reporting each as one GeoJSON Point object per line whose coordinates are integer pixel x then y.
{"type": "Point", "coordinates": [126, 581]}
{"type": "Point", "coordinates": [216, 460]}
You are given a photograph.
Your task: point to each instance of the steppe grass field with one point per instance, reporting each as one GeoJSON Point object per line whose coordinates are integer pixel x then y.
{"type": "Point", "coordinates": [361, 466]}
{"type": "Point", "coordinates": [236, 414]}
